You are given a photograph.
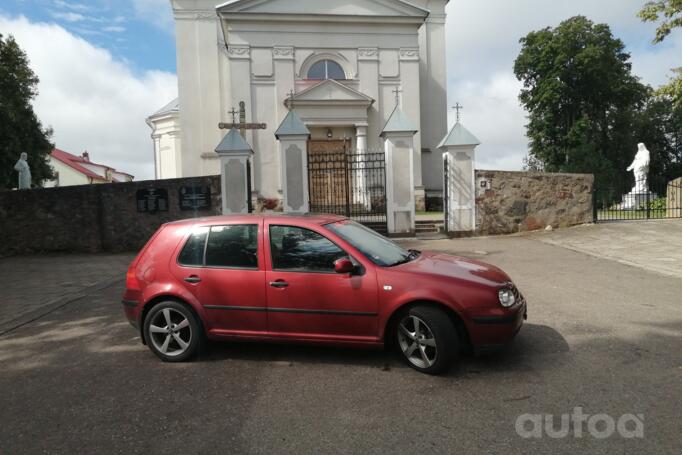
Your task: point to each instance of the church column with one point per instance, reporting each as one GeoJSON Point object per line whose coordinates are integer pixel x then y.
{"type": "Point", "coordinates": [360, 193]}
{"type": "Point", "coordinates": [157, 156]}
{"type": "Point", "coordinates": [285, 77]}
{"type": "Point", "coordinates": [411, 105]}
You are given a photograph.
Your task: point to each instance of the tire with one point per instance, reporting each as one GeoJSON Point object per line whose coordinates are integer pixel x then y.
{"type": "Point", "coordinates": [182, 341]}
{"type": "Point", "coordinates": [434, 347]}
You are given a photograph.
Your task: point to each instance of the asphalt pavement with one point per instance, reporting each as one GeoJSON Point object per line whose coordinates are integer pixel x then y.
{"type": "Point", "coordinates": [601, 336]}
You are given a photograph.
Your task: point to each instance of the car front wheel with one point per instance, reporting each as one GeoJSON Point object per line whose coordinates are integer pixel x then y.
{"type": "Point", "coordinates": [427, 339]}
{"type": "Point", "coordinates": [172, 332]}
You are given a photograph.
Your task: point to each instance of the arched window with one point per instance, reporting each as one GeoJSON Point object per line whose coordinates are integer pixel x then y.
{"type": "Point", "coordinates": [326, 69]}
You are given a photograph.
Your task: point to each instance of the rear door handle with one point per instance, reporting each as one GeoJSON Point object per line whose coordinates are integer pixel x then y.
{"type": "Point", "coordinates": [279, 284]}
{"type": "Point", "coordinates": [193, 279]}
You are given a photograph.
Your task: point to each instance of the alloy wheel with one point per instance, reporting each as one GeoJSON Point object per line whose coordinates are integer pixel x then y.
{"type": "Point", "coordinates": [170, 332]}
{"type": "Point", "coordinates": [417, 342]}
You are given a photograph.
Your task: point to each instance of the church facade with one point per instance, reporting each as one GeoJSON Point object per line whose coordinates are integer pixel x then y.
{"type": "Point", "coordinates": [343, 64]}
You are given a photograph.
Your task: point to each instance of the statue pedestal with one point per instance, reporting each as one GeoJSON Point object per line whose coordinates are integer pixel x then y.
{"type": "Point", "coordinates": [637, 201]}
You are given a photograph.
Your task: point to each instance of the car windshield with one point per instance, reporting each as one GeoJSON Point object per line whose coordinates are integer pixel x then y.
{"type": "Point", "coordinates": [375, 247]}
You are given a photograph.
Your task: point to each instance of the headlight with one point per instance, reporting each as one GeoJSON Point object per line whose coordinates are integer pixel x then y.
{"type": "Point", "coordinates": [507, 298]}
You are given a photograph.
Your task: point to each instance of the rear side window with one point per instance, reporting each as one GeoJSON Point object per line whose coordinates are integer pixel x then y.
{"type": "Point", "coordinates": [234, 246]}
{"type": "Point", "coordinates": [193, 252]}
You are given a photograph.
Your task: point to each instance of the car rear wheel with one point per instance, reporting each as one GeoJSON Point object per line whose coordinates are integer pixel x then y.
{"type": "Point", "coordinates": [427, 339]}
{"type": "Point", "coordinates": [173, 332]}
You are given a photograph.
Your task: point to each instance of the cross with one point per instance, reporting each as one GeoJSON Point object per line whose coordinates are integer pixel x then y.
{"type": "Point", "coordinates": [291, 94]}
{"type": "Point", "coordinates": [397, 92]}
{"type": "Point", "coordinates": [458, 107]}
{"type": "Point", "coordinates": [234, 113]}
{"type": "Point", "coordinates": [240, 125]}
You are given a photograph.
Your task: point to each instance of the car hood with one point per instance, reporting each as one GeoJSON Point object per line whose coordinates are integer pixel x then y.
{"type": "Point", "coordinates": [450, 266]}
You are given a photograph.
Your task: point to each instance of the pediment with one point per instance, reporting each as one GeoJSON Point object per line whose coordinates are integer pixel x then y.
{"type": "Point", "coordinates": [331, 91]}
{"type": "Point", "coordinates": [367, 8]}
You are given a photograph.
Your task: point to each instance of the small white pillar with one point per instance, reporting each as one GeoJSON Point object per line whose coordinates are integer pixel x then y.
{"type": "Point", "coordinates": [459, 186]}
{"type": "Point", "coordinates": [293, 137]}
{"type": "Point", "coordinates": [235, 155]}
{"type": "Point", "coordinates": [398, 137]}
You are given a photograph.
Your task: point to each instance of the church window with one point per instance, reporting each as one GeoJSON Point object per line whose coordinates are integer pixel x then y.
{"type": "Point", "coordinates": [326, 69]}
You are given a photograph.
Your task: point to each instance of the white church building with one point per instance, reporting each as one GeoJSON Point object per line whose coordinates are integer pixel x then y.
{"type": "Point", "coordinates": [344, 61]}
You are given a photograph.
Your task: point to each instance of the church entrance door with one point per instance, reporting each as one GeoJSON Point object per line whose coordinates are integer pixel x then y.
{"type": "Point", "coordinates": [344, 182]}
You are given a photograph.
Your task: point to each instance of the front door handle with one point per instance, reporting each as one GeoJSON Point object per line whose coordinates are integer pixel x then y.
{"type": "Point", "coordinates": [193, 279]}
{"type": "Point", "coordinates": [279, 284]}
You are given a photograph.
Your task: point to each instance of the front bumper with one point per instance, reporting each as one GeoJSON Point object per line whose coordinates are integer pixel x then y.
{"type": "Point", "coordinates": [492, 331]}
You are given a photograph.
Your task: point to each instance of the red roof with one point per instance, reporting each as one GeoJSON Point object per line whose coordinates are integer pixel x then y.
{"type": "Point", "coordinates": [73, 161]}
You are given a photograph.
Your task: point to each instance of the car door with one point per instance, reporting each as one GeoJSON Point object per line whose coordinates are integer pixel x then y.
{"type": "Point", "coordinates": [307, 298]}
{"type": "Point", "coordinates": [223, 266]}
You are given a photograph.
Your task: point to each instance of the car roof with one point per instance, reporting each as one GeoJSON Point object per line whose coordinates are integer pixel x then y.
{"type": "Point", "coordinates": [314, 218]}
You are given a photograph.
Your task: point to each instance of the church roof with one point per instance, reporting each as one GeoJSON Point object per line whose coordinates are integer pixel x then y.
{"type": "Point", "coordinates": [330, 90]}
{"type": "Point", "coordinates": [173, 106]}
{"type": "Point", "coordinates": [292, 125]}
{"type": "Point", "coordinates": [458, 135]}
{"type": "Point", "coordinates": [233, 142]}
{"type": "Point", "coordinates": [397, 8]}
{"type": "Point", "coordinates": [398, 122]}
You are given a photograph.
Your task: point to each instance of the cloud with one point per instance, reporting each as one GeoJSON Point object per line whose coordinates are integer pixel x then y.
{"type": "Point", "coordinates": [72, 6]}
{"type": "Point", "coordinates": [157, 12]}
{"type": "Point", "coordinates": [482, 47]}
{"type": "Point", "coordinates": [114, 29]}
{"type": "Point", "coordinates": [93, 101]}
{"type": "Point", "coordinates": [68, 16]}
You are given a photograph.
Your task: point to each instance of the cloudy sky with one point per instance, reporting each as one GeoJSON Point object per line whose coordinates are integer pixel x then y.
{"type": "Point", "coordinates": [104, 66]}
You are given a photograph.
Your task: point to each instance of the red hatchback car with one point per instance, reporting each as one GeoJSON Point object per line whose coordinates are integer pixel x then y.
{"type": "Point", "coordinates": [313, 279]}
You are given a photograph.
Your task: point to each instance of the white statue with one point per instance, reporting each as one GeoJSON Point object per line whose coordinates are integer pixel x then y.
{"type": "Point", "coordinates": [640, 167]}
{"type": "Point", "coordinates": [24, 172]}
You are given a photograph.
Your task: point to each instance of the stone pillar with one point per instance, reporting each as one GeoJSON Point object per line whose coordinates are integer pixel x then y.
{"type": "Point", "coordinates": [399, 150]}
{"type": "Point", "coordinates": [293, 137]}
{"type": "Point", "coordinates": [235, 155]}
{"type": "Point", "coordinates": [459, 187]}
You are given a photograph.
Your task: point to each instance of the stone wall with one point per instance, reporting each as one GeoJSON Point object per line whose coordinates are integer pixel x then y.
{"type": "Point", "coordinates": [508, 202]}
{"type": "Point", "coordinates": [91, 218]}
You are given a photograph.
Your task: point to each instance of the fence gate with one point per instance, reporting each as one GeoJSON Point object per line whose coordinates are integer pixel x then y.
{"type": "Point", "coordinates": [344, 182]}
{"type": "Point", "coordinates": [652, 198]}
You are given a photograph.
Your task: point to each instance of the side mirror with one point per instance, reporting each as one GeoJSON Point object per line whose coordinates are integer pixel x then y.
{"type": "Point", "coordinates": [344, 265]}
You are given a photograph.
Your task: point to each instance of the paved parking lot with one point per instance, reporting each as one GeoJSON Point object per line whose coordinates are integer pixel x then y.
{"type": "Point", "coordinates": [601, 335]}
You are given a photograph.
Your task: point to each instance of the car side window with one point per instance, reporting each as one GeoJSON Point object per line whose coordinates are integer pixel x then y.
{"type": "Point", "coordinates": [234, 246]}
{"type": "Point", "coordinates": [192, 253]}
{"type": "Point", "coordinates": [298, 249]}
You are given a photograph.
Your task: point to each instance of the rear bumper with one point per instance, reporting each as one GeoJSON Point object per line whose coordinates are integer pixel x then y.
{"type": "Point", "coordinates": [492, 332]}
{"type": "Point", "coordinates": [130, 309]}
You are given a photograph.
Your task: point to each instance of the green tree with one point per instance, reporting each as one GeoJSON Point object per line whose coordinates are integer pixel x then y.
{"type": "Point", "coordinates": [667, 12]}
{"type": "Point", "coordinates": [582, 98]}
{"type": "Point", "coordinates": [20, 129]}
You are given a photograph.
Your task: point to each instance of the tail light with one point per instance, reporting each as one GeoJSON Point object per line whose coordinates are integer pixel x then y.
{"type": "Point", "coordinates": [131, 280]}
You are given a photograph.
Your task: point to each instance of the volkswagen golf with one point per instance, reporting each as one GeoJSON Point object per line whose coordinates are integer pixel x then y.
{"type": "Point", "coordinates": [320, 279]}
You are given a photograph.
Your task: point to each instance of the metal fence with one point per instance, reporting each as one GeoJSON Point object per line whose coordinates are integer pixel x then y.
{"type": "Point", "coordinates": [351, 184]}
{"type": "Point", "coordinates": [644, 199]}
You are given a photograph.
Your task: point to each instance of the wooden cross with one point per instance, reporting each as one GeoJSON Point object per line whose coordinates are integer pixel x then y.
{"type": "Point", "coordinates": [458, 107]}
{"type": "Point", "coordinates": [397, 92]}
{"type": "Point", "coordinates": [241, 125]}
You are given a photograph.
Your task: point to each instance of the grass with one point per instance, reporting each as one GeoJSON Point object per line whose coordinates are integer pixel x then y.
{"type": "Point", "coordinates": [428, 213]}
